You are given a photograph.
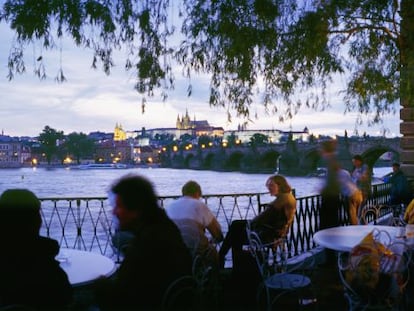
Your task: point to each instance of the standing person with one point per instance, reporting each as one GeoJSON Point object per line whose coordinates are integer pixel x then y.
{"type": "Point", "coordinates": [330, 195]}
{"type": "Point", "coordinates": [401, 192]}
{"type": "Point", "coordinates": [29, 273]}
{"type": "Point", "coordinates": [155, 257]}
{"type": "Point", "coordinates": [193, 218]}
{"type": "Point", "coordinates": [331, 190]}
{"type": "Point", "coordinates": [361, 175]}
{"type": "Point", "coordinates": [351, 193]}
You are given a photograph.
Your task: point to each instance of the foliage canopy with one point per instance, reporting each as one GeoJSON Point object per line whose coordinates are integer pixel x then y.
{"type": "Point", "coordinates": [283, 53]}
{"type": "Point", "coordinates": [48, 140]}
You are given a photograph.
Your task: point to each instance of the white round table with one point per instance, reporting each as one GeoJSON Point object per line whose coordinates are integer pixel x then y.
{"type": "Point", "coordinates": [344, 238]}
{"type": "Point", "coordinates": [83, 267]}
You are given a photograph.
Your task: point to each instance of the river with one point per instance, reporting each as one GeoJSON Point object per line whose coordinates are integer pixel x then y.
{"type": "Point", "coordinates": [64, 182]}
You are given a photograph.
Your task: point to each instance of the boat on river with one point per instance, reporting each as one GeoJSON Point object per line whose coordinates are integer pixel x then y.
{"type": "Point", "coordinates": [319, 172]}
{"type": "Point", "coordinates": [104, 166]}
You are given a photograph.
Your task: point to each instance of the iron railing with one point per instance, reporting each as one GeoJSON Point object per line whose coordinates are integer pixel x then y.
{"type": "Point", "coordinates": [88, 223]}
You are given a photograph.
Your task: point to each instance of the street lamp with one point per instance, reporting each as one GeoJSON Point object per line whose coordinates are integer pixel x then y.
{"type": "Point", "coordinates": [67, 160]}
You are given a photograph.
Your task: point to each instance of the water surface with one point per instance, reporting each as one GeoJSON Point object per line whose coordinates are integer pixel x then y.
{"type": "Point", "coordinates": [63, 182]}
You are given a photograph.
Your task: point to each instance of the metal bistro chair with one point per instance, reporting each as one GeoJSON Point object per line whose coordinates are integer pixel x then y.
{"type": "Point", "coordinates": [390, 278]}
{"type": "Point", "coordinates": [276, 276]}
{"type": "Point", "coordinates": [203, 269]}
{"type": "Point", "coordinates": [181, 295]}
{"type": "Point", "coordinates": [383, 214]}
{"type": "Point", "coordinates": [207, 278]}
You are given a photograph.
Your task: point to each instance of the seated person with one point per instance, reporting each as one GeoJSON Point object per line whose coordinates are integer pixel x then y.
{"type": "Point", "coordinates": [271, 224]}
{"type": "Point", "coordinates": [29, 273]}
{"type": "Point", "coordinates": [155, 257]}
{"type": "Point", "coordinates": [193, 217]}
{"type": "Point", "coordinates": [121, 241]}
{"type": "Point", "coordinates": [409, 213]}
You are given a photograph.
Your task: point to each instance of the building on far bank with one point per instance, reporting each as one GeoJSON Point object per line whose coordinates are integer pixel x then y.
{"type": "Point", "coordinates": [243, 135]}
{"type": "Point", "coordinates": [13, 152]}
{"type": "Point", "coordinates": [113, 152]}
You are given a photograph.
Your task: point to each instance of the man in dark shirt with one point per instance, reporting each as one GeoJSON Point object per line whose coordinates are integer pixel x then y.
{"type": "Point", "coordinates": [400, 187]}
{"type": "Point", "coordinates": [155, 257]}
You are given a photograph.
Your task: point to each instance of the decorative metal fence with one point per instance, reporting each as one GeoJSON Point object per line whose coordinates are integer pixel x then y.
{"type": "Point", "coordinates": [88, 224]}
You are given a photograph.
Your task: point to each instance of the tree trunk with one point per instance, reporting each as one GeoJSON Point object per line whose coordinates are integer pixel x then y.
{"type": "Point", "coordinates": [407, 87]}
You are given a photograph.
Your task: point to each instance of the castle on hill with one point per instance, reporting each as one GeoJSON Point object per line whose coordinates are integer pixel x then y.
{"type": "Point", "coordinates": [185, 125]}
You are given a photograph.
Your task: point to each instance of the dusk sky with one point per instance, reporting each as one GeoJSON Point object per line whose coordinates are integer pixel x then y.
{"type": "Point", "coordinates": [91, 101]}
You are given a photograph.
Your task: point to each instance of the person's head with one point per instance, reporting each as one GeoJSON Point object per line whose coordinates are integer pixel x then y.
{"type": "Point", "coordinates": [135, 200]}
{"type": "Point", "coordinates": [357, 160]}
{"type": "Point", "coordinates": [277, 184]}
{"type": "Point", "coordinates": [395, 167]}
{"type": "Point", "coordinates": [20, 211]}
{"type": "Point", "coordinates": [191, 189]}
{"type": "Point", "coordinates": [328, 149]}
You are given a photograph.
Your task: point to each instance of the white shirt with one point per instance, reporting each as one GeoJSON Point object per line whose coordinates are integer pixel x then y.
{"type": "Point", "coordinates": [187, 207]}
{"type": "Point", "coordinates": [346, 184]}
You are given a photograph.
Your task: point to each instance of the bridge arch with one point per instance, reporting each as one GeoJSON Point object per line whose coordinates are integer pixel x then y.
{"type": "Point", "coordinates": [209, 160]}
{"type": "Point", "coordinates": [188, 160]}
{"type": "Point", "coordinates": [371, 155]}
{"type": "Point", "coordinates": [234, 160]}
{"type": "Point", "coordinates": [311, 160]}
{"type": "Point", "coordinates": [270, 160]}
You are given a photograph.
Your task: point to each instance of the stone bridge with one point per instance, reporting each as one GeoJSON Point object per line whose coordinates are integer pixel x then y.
{"type": "Point", "coordinates": [290, 158]}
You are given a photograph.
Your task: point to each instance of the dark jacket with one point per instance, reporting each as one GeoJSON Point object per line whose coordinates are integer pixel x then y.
{"type": "Point", "coordinates": [276, 219]}
{"type": "Point", "coordinates": [30, 275]}
{"type": "Point", "coordinates": [400, 189]}
{"type": "Point", "coordinates": [156, 257]}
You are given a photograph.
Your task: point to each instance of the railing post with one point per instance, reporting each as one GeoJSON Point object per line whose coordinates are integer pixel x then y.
{"type": "Point", "coordinates": [78, 224]}
{"type": "Point", "coordinates": [259, 204]}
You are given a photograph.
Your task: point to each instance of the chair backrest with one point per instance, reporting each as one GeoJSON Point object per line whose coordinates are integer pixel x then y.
{"type": "Point", "coordinates": [375, 279]}
{"type": "Point", "coordinates": [191, 234]}
{"type": "Point", "coordinates": [181, 295]}
{"type": "Point", "coordinates": [269, 257]}
{"type": "Point", "coordinates": [368, 215]}
{"type": "Point", "coordinates": [382, 214]}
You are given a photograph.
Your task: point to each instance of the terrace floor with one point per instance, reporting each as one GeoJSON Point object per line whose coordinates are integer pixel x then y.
{"type": "Point", "coordinates": [327, 289]}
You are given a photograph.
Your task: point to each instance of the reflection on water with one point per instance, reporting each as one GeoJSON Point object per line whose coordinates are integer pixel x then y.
{"type": "Point", "coordinates": [61, 182]}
